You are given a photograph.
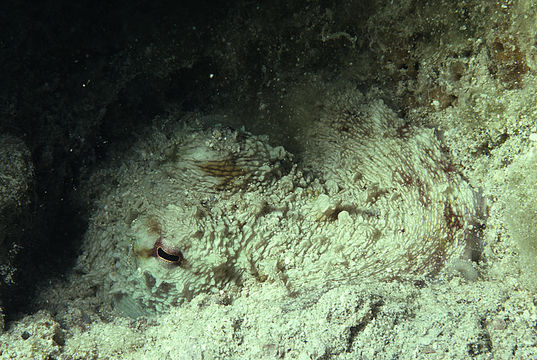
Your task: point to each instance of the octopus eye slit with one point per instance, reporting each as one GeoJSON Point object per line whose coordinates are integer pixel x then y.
{"type": "Point", "coordinates": [172, 258]}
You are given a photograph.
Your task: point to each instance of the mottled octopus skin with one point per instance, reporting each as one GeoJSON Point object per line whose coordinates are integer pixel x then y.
{"type": "Point", "coordinates": [370, 198]}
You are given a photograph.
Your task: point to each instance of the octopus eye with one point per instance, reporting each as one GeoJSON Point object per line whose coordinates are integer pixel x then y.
{"type": "Point", "coordinates": [169, 256]}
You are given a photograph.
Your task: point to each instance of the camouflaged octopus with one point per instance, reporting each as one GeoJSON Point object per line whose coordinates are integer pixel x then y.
{"type": "Point", "coordinates": [205, 210]}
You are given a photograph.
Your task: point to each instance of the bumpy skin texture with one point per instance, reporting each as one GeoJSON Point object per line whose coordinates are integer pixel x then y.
{"type": "Point", "coordinates": [206, 210]}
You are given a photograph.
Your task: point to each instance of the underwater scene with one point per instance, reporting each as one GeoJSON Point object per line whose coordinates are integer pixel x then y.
{"type": "Point", "coordinates": [312, 179]}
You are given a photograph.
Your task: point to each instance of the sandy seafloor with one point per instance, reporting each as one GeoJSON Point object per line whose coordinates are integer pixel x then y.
{"type": "Point", "coordinates": [488, 312]}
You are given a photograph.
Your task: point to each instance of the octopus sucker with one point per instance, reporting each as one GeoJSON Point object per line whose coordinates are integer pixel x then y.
{"type": "Point", "coordinates": [377, 205]}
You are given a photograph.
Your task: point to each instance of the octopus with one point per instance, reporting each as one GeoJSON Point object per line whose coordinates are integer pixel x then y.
{"type": "Point", "coordinates": [206, 208]}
